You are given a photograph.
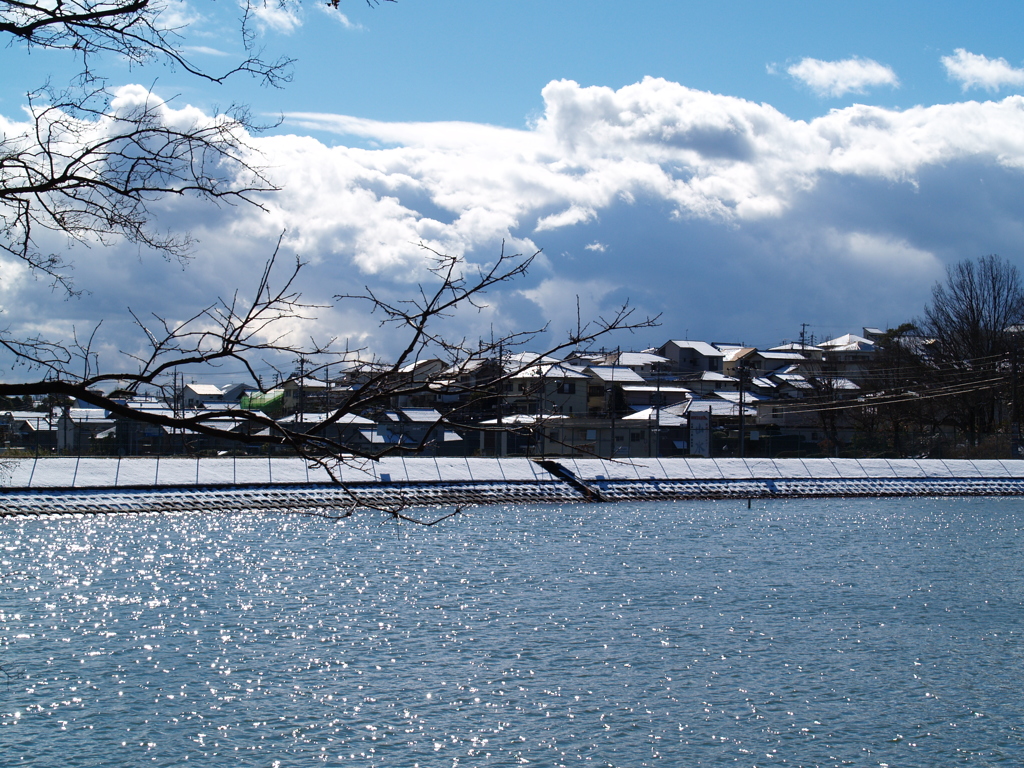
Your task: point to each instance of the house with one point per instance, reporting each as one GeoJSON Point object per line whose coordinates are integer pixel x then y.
{"type": "Point", "coordinates": [641, 396]}
{"type": "Point", "coordinates": [134, 437]}
{"type": "Point", "coordinates": [418, 428]}
{"type": "Point", "coordinates": [848, 356]}
{"type": "Point", "coordinates": [546, 388]}
{"type": "Point", "coordinates": [309, 395]}
{"type": "Point", "coordinates": [646, 364]}
{"type": "Point", "coordinates": [29, 429]}
{"type": "Point", "coordinates": [78, 429]}
{"type": "Point", "coordinates": [413, 382]}
{"type": "Point", "coordinates": [706, 382]}
{"type": "Point", "coordinates": [605, 388]}
{"type": "Point", "coordinates": [347, 430]}
{"type": "Point", "coordinates": [761, 363]}
{"type": "Point", "coordinates": [194, 395]}
{"type": "Point", "coordinates": [809, 351]}
{"type": "Point", "coordinates": [734, 358]}
{"type": "Point", "coordinates": [471, 387]}
{"type": "Point", "coordinates": [686, 356]}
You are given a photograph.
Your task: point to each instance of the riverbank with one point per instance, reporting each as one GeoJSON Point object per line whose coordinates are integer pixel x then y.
{"type": "Point", "coordinates": [101, 485]}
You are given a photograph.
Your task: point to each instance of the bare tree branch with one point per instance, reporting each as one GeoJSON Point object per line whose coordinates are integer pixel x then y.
{"type": "Point", "coordinates": [244, 330]}
{"type": "Point", "coordinates": [137, 30]}
{"type": "Point", "coordinates": [89, 166]}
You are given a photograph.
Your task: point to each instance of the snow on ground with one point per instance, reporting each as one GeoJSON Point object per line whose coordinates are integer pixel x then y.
{"type": "Point", "coordinates": [112, 472]}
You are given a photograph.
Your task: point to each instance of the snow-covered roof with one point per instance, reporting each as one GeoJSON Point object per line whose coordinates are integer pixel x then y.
{"type": "Point", "coordinates": [306, 383]}
{"type": "Point", "coordinates": [782, 356]}
{"type": "Point", "coordinates": [732, 354]}
{"type": "Point", "coordinates": [616, 373]}
{"type": "Point", "coordinates": [666, 417]}
{"type": "Point", "coordinates": [521, 359]}
{"type": "Point", "coordinates": [205, 390]}
{"type": "Point", "coordinates": [847, 343]}
{"type": "Point", "coordinates": [795, 346]}
{"type": "Point", "coordinates": [734, 397]}
{"type": "Point", "coordinates": [718, 407]}
{"type": "Point", "coordinates": [708, 376]}
{"type": "Point", "coordinates": [665, 390]}
{"type": "Point", "coordinates": [838, 382]}
{"type": "Point", "coordinates": [218, 407]}
{"type": "Point", "coordinates": [427, 415]}
{"type": "Point", "coordinates": [550, 371]}
{"type": "Point", "coordinates": [639, 358]}
{"type": "Point", "coordinates": [794, 380]}
{"type": "Point", "coordinates": [416, 364]}
{"type": "Point", "coordinates": [527, 418]}
{"type": "Point", "coordinates": [87, 414]}
{"type": "Point", "coordinates": [316, 418]}
{"type": "Point", "coordinates": [26, 414]}
{"type": "Point", "coordinates": [34, 421]}
{"type": "Point", "coordinates": [417, 415]}
{"type": "Point", "coordinates": [701, 347]}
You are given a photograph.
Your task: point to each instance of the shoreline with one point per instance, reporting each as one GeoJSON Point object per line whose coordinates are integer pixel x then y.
{"type": "Point", "coordinates": [60, 486]}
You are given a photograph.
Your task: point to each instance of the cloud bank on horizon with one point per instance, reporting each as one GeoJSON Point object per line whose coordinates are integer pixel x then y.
{"type": "Point", "coordinates": [730, 219]}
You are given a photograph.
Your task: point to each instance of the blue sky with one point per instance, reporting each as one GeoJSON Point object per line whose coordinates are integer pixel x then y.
{"type": "Point", "coordinates": [739, 167]}
{"type": "Point", "coordinates": [487, 62]}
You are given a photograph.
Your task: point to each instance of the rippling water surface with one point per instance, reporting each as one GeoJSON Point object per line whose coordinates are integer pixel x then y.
{"type": "Point", "coordinates": [808, 633]}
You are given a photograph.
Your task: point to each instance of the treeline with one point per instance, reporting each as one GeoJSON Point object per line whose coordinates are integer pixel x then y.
{"type": "Point", "coordinates": [946, 383]}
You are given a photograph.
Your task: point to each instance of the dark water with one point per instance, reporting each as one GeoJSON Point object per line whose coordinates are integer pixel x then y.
{"type": "Point", "coordinates": [809, 633]}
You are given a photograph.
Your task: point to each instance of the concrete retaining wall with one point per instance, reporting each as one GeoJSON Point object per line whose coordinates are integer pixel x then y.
{"type": "Point", "coordinates": [62, 486]}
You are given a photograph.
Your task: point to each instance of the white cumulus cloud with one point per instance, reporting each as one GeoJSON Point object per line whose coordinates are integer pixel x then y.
{"type": "Point", "coordinates": [837, 78]}
{"type": "Point", "coordinates": [665, 195]}
{"type": "Point", "coordinates": [973, 70]}
{"type": "Point", "coordinates": [284, 16]}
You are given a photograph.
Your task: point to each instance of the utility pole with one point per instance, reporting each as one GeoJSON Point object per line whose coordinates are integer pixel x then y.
{"type": "Point", "coordinates": [741, 369]}
{"type": "Point", "coordinates": [1015, 446]}
{"type": "Point", "coordinates": [610, 393]}
{"type": "Point", "coordinates": [302, 390]}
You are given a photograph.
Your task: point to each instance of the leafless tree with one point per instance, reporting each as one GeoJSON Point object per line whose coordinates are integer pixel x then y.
{"type": "Point", "coordinates": [89, 166]}
{"type": "Point", "coordinates": [243, 329]}
{"type": "Point", "coordinates": [90, 163]}
{"type": "Point", "coordinates": [975, 318]}
{"type": "Point", "coordinates": [136, 30]}
{"type": "Point", "coordinates": [976, 311]}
